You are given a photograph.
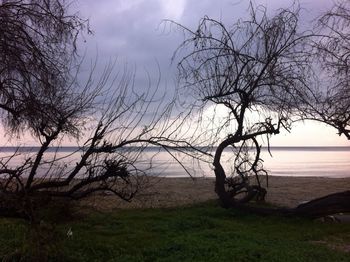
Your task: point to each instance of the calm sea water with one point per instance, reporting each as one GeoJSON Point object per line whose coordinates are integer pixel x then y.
{"type": "Point", "coordinates": [285, 161]}
{"type": "Point", "coordinates": [308, 161]}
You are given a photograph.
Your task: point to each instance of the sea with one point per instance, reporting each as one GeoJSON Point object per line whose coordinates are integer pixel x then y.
{"type": "Point", "coordinates": [332, 162]}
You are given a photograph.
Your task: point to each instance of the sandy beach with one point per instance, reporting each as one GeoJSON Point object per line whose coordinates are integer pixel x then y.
{"type": "Point", "coordinates": [169, 192]}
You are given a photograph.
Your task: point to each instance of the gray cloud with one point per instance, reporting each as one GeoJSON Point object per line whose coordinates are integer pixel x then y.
{"type": "Point", "coordinates": [131, 29]}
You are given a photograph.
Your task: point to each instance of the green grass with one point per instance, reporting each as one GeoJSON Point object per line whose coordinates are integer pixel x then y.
{"type": "Point", "coordinates": [199, 233]}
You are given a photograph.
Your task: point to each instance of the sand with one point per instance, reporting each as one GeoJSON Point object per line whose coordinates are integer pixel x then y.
{"type": "Point", "coordinates": [170, 192]}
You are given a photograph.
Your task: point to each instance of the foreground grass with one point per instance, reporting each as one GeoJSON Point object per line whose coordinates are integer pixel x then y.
{"type": "Point", "coordinates": [199, 233]}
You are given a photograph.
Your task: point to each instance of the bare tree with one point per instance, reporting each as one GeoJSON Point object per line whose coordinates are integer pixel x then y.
{"type": "Point", "coordinates": [331, 101]}
{"type": "Point", "coordinates": [111, 122]}
{"type": "Point", "coordinates": [37, 49]}
{"type": "Point", "coordinates": [119, 125]}
{"type": "Point", "coordinates": [262, 67]}
{"type": "Point", "coordinates": [257, 66]}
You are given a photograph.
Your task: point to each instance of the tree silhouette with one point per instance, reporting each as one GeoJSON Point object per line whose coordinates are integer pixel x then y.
{"type": "Point", "coordinates": [331, 100]}
{"type": "Point", "coordinates": [37, 48]}
{"type": "Point", "coordinates": [110, 121]}
{"type": "Point", "coordinates": [258, 66]}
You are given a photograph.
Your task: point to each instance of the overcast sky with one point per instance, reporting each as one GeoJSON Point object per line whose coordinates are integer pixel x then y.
{"type": "Point", "coordinates": [132, 31]}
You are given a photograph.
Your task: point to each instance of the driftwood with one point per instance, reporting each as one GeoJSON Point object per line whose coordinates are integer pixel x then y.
{"type": "Point", "coordinates": [324, 206]}
{"type": "Point", "coordinates": [320, 207]}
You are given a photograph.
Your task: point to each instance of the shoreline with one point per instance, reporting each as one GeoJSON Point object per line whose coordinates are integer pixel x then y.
{"type": "Point", "coordinates": [160, 192]}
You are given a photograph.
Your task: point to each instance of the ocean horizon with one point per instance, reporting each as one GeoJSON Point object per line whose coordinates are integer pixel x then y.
{"type": "Point", "coordinates": [310, 161]}
{"type": "Point", "coordinates": [156, 148]}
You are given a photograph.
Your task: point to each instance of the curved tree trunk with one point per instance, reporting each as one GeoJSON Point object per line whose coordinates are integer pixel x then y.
{"type": "Point", "coordinates": [320, 207]}
{"type": "Point", "coordinates": [220, 175]}
{"type": "Point", "coordinates": [227, 197]}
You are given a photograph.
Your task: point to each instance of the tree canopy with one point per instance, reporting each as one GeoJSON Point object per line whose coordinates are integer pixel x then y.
{"type": "Point", "coordinates": [268, 66]}
{"type": "Point", "coordinates": [110, 122]}
{"type": "Point", "coordinates": [37, 50]}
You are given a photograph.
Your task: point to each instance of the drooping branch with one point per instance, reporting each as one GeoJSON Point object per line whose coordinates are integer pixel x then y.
{"type": "Point", "coordinates": [37, 46]}
{"type": "Point", "coordinates": [111, 120]}
{"type": "Point", "coordinates": [259, 68]}
{"type": "Point", "coordinates": [330, 103]}
{"type": "Point", "coordinates": [258, 65]}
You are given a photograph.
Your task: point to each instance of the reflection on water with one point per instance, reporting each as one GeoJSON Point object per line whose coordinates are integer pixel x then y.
{"type": "Point", "coordinates": [324, 162]}
{"type": "Point", "coordinates": [285, 161]}
{"type": "Point", "coordinates": [309, 162]}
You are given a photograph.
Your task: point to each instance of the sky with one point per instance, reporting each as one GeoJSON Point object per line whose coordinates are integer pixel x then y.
{"type": "Point", "coordinates": [133, 32]}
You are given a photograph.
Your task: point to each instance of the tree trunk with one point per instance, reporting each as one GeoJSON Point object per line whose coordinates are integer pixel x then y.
{"type": "Point", "coordinates": [320, 207]}
{"type": "Point", "coordinates": [327, 205]}
{"type": "Point", "coordinates": [220, 176]}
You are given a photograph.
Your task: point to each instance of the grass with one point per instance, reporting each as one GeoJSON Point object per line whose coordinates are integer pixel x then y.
{"type": "Point", "coordinates": [203, 232]}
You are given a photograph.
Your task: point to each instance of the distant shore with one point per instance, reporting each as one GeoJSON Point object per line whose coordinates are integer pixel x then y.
{"type": "Point", "coordinates": [168, 192]}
